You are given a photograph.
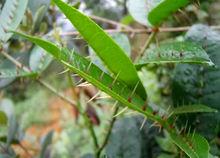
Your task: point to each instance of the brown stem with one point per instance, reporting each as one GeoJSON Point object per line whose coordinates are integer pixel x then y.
{"type": "Point", "coordinates": [141, 31]}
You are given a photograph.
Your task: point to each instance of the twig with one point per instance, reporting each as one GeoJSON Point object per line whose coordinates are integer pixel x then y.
{"type": "Point", "coordinates": [104, 143]}
{"type": "Point", "coordinates": [115, 23]}
{"type": "Point", "coordinates": [146, 45]}
{"type": "Point", "coordinates": [49, 87]}
{"type": "Point", "coordinates": [141, 31]}
{"type": "Point", "coordinates": [52, 89]}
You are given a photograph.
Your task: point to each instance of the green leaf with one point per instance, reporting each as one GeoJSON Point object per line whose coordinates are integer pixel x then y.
{"type": "Point", "coordinates": [164, 9]}
{"type": "Point", "coordinates": [111, 54]}
{"type": "Point", "coordinates": [90, 72]}
{"type": "Point", "coordinates": [195, 146]}
{"type": "Point", "coordinates": [121, 39]}
{"type": "Point", "coordinates": [11, 16]}
{"type": "Point", "coordinates": [10, 73]}
{"type": "Point", "coordinates": [175, 52]}
{"type": "Point", "coordinates": [3, 118]}
{"type": "Point", "coordinates": [39, 59]}
{"type": "Point", "coordinates": [192, 109]}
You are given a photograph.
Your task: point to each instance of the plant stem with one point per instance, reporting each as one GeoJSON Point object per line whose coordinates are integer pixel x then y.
{"type": "Point", "coordinates": [49, 87]}
{"type": "Point", "coordinates": [141, 31]}
{"type": "Point", "coordinates": [146, 45]}
{"type": "Point", "coordinates": [52, 89]}
{"type": "Point", "coordinates": [86, 118]}
{"type": "Point", "coordinates": [112, 22]}
{"type": "Point", "coordinates": [104, 143]}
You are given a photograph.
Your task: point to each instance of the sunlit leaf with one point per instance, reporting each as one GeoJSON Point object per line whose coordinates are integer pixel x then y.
{"type": "Point", "coordinates": [111, 53]}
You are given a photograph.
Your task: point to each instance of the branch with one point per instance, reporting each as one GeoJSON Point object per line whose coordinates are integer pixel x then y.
{"type": "Point", "coordinates": [52, 89]}
{"type": "Point", "coordinates": [115, 23]}
{"type": "Point", "coordinates": [49, 87]}
{"type": "Point", "coordinates": [141, 31]}
{"type": "Point", "coordinates": [146, 45]}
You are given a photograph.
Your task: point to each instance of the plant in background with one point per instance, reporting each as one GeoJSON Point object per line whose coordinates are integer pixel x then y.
{"type": "Point", "coordinates": [119, 80]}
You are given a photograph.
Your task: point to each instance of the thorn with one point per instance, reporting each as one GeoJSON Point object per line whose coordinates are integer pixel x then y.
{"type": "Point", "coordinates": [74, 75]}
{"type": "Point", "coordinates": [130, 113]}
{"type": "Point", "coordinates": [104, 97]}
{"type": "Point", "coordinates": [115, 79]}
{"type": "Point", "coordinates": [194, 131]}
{"type": "Point", "coordinates": [185, 126]}
{"type": "Point", "coordinates": [91, 99]}
{"type": "Point", "coordinates": [63, 72]}
{"type": "Point", "coordinates": [101, 76]}
{"type": "Point", "coordinates": [114, 105]}
{"type": "Point", "coordinates": [89, 66]}
{"type": "Point", "coordinates": [142, 125]}
{"type": "Point", "coordinates": [168, 109]}
{"type": "Point", "coordinates": [84, 84]}
{"type": "Point", "coordinates": [155, 124]}
{"type": "Point", "coordinates": [171, 113]}
{"type": "Point", "coordinates": [123, 110]}
{"type": "Point", "coordinates": [188, 133]}
{"type": "Point", "coordinates": [79, 81]}
{"type": "Point", "coordinates": [181, 131]}
{"type": "Point", "coordinates": [134, 88]}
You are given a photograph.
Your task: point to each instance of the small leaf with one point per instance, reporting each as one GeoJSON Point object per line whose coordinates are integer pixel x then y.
{"type": "Point", "coordinates": [111, 53]}
{"type": "Point", "coordinates": [175, 52]}
{"type": "Point", "coordinates": [164, 9]}
{"type": "Point", "coordinates": [195, 146]}
{"type": "Point", "coordinates": [192, 109]}
{"type": "Point", "coordinates": [3, 118]}
{"type": "Point", "coordinates": [11, 16]}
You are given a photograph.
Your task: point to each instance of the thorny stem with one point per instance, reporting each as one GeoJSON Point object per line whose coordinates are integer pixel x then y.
{"type": "Point", "coordinates": [86, 118]}
{"type": "Point", "coordinates": [104, 143]}
{"type": "Point", "coordinates": [141, 31]}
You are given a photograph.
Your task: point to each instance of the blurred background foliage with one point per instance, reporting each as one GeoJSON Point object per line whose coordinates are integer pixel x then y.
{"type": "Point", "coordinates": [43, 125]}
